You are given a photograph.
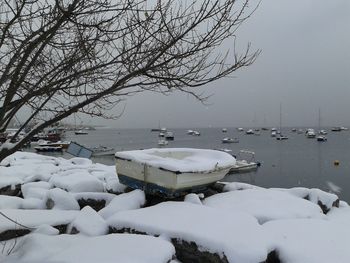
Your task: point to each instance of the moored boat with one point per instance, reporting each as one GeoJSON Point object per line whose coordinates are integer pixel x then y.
{"type": "Point", "coordinates": [245, 165]}
{"type": "Point", "coordinates": [321, 138]}
{"type": "Point", "coordinates": [169, 136]}
{"type": "Point", "coordinates": [230, 140]}
{"type": "Point", "coordinates": [162, 142]}
{"type": "Point", "coordinates": [80, 132]}
{"type": "Point", "coordinates": [63, 144]}
{"type": "Point", "coordinates": [310, 133]}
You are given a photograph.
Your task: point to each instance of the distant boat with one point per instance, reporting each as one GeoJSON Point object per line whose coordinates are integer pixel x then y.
{"type": "Point", "coordinates": [322, 133]}
{"type": "Point", "coordinates": [162, 142]}
{"type": "Point", "coordinates": [273, 134]}
{"type": "Point", "coordinates": [321, 138]}
{"type": "Point", "coordinates": [169, 136]}
{"type": "Point", "coordinates": [196, 133]}
{"type": "Point", "coordinates": [336, 129]}
{"type": "Point", "coordinates": [310, 133]}
{"type": "Point", "coordinates": [190, 132]}
{"type": "Point", "coordinates": [249, 131]}
{"type": "Point", "coordinates": [280, 136]}
{"type": "Point", "coordinates": [240, 129]}
{"type": "Point", "coordinates": [245, 163]}
{"type": "Point", "coordinates": [230, 140]}
{"type": "Point", "coordinates": [80, 132]}
{"type": "Point", "coordinates": [224, 130]}
{"type": "Point", "coordinates": [102, 151]}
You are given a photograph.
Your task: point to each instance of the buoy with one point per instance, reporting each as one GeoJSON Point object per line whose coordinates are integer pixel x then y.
{"type": "Point", "coordinates": [336, 162]}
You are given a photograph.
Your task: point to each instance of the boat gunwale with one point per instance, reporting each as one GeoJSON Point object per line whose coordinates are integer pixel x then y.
{"type": "Point", "coordinates": [177, 172]}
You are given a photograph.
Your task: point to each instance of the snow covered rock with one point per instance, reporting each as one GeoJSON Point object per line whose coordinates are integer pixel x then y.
{"type": "Point", "coordinates": [325, 200]}
{"type": "Point", "coordinates": [78, 248]}
{"type": "Point", "coordinates": [77, 181]}
{"type": "Point", "coordinates": [88, 222]}
{"type": "Point", "coordinates": [216, 233]}
{"type": "Point", "coordinates": [29, 189]}
{"type": "Point", "coordinates": [193, 198]}
{"type": "Point", "coordinates": [10, 202]}
{"type": "Point", "coordinates": [238, 186]}
{"type": "Point", "coordinates": [59, 199]}
{"type": "Point", "coordinates": [127, 201]}
{"type": "Point", "coordinates": [265, 204]}
{"type": "Point", "coordinates": [97, 201]}
{"type": "Point", "coordinates": [310, 240]}
{"type": "Point", "coordinates": [24, 221]}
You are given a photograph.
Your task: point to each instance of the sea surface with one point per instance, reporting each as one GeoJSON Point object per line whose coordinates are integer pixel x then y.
{"type": "Point", "coordinates": [296, 162]}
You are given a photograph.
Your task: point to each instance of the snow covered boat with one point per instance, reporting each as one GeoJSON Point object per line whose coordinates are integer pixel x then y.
{"type": "Point", "coordinates": [102, 151]}
{"type": "Point", "coordinates": [245, 165]}
{"type": "Point", "coordinates": [48, 148]}
{"type": "Point", "coordinates": [63, 144]}
{"type": "Point", "coordinates": [172, 171]}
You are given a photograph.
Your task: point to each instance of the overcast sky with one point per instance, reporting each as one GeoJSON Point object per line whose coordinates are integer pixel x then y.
{"type": "Point", "coordinates": [304, 65]}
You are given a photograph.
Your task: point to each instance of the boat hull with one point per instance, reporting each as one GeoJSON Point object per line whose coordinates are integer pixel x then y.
{"type": "Point", "coordinates": [244, 167]}
{"type": "Point", "coordinates": [154, 180]}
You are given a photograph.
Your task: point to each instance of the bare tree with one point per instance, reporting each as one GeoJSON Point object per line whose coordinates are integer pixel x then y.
{"type": "Point", "coordinates": [59, 57]}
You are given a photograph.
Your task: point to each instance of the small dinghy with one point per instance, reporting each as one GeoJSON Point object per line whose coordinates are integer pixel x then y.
{"type": "Point", "coordinates": [172, 172]}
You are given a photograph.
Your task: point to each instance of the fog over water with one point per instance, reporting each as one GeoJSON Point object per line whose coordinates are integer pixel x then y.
{"type": "Point", "coordinates": [304, 65]}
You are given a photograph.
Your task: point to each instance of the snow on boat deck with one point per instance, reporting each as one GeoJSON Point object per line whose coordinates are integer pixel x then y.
{"type": "Point", "coordinates": [180, 159]}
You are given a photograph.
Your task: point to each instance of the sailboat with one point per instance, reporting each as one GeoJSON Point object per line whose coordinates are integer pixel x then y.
{"type": "Point", "coordinates": [280, 136]}
{"type": "Point", "coordinates": [321, 137]}
{"type": "Point", "coordinates": [78, 132]}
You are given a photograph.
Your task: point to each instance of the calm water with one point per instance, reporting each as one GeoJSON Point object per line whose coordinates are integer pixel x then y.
{"type": "Point", "coordinates": [295, 162]}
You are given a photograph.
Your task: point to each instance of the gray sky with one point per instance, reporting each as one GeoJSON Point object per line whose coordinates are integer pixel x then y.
{"type": "Point", "coordinates": [304, 65]}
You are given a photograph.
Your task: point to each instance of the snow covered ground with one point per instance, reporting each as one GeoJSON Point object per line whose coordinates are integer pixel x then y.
{"type": "Point", "coordinates": [244, 223]}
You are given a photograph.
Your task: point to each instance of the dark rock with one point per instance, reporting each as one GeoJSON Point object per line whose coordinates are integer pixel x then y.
{"type": "Point", "coordinates": [12, 191]}
{"type": "Point", "coordinates": [13, 233]}
{"type": "Point", "coordinates": [188, 252]}
{"type": "Point", "coordinates": [49, 203]}
{"type": "Point", "coordinates": [272, 257]}
{"type": "Point", "coordinates": [74, 231]}
{"type": "Point", "coordinates": [218, 187]}
{"type": "Point", "coordinates": [61, 228]}
{"type": "Point", "coordinates": [97, 205]}
{"type": "Point", "coordinates": [325, 209]}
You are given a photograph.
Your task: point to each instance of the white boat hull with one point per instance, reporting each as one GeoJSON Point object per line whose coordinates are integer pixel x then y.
{"type": "Point", "coordinates": [154, 179]}
{"type": "Point", "coordinates": [243, 167]}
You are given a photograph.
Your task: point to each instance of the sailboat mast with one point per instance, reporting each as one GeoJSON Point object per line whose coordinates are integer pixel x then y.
{"type": "Point", "coordinates": [280, 118]}
{"type": "Point", "coordinates": [319, 119]}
